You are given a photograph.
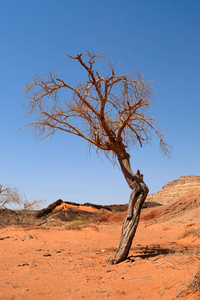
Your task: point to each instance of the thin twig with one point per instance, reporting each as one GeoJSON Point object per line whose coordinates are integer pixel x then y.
{"type": "Point", "coordinates": [141, 276]}
{"type": "Point", "coordinates": [157, 258]}
{"type": "Point", "coordinates": [162, 263]}
{"type": "Point", "coordinates": [196, 239]}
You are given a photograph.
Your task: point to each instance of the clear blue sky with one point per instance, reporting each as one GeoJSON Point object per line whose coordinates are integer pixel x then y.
{"type": "Point", "coordinates": [160, 38]}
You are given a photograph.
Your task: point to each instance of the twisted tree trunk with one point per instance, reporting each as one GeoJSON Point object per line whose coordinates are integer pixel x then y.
{"type": "Point", "coordinates": [137, 198]}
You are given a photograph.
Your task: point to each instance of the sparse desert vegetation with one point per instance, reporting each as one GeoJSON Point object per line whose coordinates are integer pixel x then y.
{"type": "Point", "coordinates": [65, 252]}
{"type": "Point", "coordinates": [92, 92]}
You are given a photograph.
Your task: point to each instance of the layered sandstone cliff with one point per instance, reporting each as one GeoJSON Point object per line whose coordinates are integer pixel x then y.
{"type": "Point", "coordinates": [175, 189]}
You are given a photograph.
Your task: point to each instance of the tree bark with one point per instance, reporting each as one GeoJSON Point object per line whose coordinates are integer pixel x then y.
{"type": "Point", "coordinates": [137, 198]}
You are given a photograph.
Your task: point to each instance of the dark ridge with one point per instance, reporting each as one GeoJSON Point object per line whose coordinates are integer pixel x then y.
{"type": "Point", "coordinates": [98, 206]}
{"type": "Point", "coordinates": [120, 207]}
{"type": "Point", "coordinates": [44, 212]}
{"type": "Point", "coordinates": [113, 207]}
{"type": "Point", "coordinates": [72, 203]}
{"type": "Point", "coordinates": [151, 204]}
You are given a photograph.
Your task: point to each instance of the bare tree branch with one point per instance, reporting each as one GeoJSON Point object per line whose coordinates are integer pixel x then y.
{"type": "Point", "coordinates": [112, 110]}
{"type": "Point", "coordinates": [8, 195]}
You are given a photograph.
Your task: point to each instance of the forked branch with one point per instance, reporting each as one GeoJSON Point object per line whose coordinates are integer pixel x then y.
{"type": "Point", "coordinates": [109, 112]}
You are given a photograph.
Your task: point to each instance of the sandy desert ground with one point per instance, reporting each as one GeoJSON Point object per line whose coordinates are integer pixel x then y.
{"type": "Point", "coordinates": [54, 262]}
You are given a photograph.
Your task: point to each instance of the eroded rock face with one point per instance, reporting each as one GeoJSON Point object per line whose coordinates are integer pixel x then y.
{"type": "Point", "coordinates": [175, 189]}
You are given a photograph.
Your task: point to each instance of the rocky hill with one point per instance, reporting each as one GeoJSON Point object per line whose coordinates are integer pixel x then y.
{"type": "Point", "coordinates": [178, 196]}
{"type": "Point", "coordinates": [175, 189]}
{"type": "Point", "coordinates": [170, 193]}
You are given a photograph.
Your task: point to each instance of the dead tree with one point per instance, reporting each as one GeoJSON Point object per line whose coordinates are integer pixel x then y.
{"type": "Point", "coordinates": [8, 196]}
{"type": "Point", "coordinates": [110, 112]}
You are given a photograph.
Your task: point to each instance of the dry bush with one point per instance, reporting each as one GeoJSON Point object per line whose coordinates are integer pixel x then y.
{"type": "Point", "coordinates": [192, 287]}
{"type": "Point", "coordinates": [32, 205]}
{"type": "Point", "coordinates": [76, 224]}
{"type": "Point", "coordinates": [79, 224]}
{"type": "Point", "coordinates": [26, 214]}
{"type": "Point", "coordinates": [23, 212]}
{"type": "Point", "coordinates": [193, 231]}
{"type": "Point", "coordinates": [8, 195]}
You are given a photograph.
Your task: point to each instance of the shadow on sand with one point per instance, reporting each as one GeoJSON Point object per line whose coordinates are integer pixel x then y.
{"type": "Point", "coordinates": [156, 250]}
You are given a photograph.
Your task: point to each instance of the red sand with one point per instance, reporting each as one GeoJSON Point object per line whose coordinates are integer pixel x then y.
{"type": "Point", "coordinates": [80, 270]}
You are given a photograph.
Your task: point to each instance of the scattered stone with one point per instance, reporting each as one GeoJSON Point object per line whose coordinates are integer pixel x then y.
{"type": "Point", "coordinates": [23, 264]}
{"type": "Point", "coordinates": [47, 254]}
{"type": "Point", "coordinates": [15, 286]}
{"type": "Point", "coordinates": [5, 237]}
{"type": "Point", "coordinates": [30, 236]}
{"type": "Point", "coordinates": [59, 251]}
{"type": "Point", "coordinates": [38, 249]}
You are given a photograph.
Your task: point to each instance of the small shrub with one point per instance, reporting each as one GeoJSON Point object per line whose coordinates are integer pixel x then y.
{"type": "Point", "coordinates": [76, 219]}
{"type": "Point", "coordinates": [192, 287]}
{"type": "Point", "coordinates": [193, 231]}
{"type": "Point", "coordinates": [23, 211]}
{"type": "Point", "coordinates": [8, 196]}
{"type": "Point", "coordinates": [78, 224]}
{"type": "Point", "coordinates": [75, 225]}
